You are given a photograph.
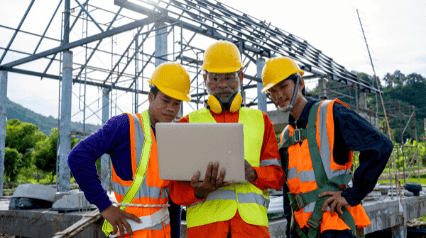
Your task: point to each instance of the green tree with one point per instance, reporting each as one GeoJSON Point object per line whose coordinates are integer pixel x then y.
{"type": "Point", "coordinates": [12, 163]}
{"type": "Point", "coordinates": [44, 155]}
{"type": "Point", "coordinates": [22, 136]}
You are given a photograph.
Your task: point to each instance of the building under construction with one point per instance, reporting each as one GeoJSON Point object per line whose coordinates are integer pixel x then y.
{"type": "Point", "coordinates": [106, 52]}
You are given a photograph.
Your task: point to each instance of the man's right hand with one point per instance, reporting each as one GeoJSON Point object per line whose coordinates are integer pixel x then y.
{"type": "Point", "coordinates": [117, 218]}
{"type": "Point", "coordinates": [211, 183]}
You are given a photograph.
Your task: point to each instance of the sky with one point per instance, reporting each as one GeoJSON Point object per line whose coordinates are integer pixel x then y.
{"type": "Point", "coordinates": [395, 31]}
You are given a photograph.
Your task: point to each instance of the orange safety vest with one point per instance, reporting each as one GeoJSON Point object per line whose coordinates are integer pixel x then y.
{"type": "Point", "coordinates": [300, 173]}
{"type": "Point", "coordinates": [153, 190]}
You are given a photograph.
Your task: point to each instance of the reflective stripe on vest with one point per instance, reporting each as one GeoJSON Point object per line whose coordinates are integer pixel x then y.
{"type": "Point", "coordinates": [250, 201]}
{"type": "Point", "coordinates": [270, 162]}
{"type": "Point", "coordinates": [242, 197]}
{"type": "Point", "coordinates": [139, 138]}
{"type": "Point", "coordinates": [144, 191]}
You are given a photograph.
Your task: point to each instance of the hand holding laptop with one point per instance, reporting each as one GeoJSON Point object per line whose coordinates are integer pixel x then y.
{"type": "Point", "coordinates": [211, 182]}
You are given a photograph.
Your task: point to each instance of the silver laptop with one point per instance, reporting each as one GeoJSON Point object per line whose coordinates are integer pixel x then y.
{"type": "Point", "coordinates": [187, 148]}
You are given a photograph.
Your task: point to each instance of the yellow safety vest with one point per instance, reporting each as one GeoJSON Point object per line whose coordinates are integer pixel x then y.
{"type": "Point", "coordinates": [251, 202]}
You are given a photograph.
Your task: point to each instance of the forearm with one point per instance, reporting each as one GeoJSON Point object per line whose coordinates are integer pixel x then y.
{"type": "Point", "coordinates": [269, 177]}
{"type": "Point", "coordinates": [366, 175]}
{"type": "Point", "coordinates": [182, 193]}
{"type": "Point", "coordinates": [85, 173]}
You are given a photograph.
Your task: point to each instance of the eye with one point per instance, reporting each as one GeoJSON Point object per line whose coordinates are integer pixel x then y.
{"type": "Point", "coordinates": [166, 101]}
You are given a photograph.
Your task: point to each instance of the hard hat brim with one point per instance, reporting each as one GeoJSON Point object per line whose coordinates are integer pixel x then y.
{"type": "Point", "coordinates": [174, 94]}
{"type": "Point", "coordinates": [269, 86]}
{"type": "Point", "coordinates": [221, 70]}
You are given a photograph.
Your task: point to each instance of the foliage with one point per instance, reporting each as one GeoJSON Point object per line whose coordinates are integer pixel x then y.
{"type": "Point", "coordinates": [44, 155]}
{"type": "Point", "coordinates": [12, 163]}
{"type": "Point", "coordinates": [22, 136]}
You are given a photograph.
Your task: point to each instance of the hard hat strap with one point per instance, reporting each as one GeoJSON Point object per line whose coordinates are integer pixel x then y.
{"type": "Point", "coordinates": [289, 107]}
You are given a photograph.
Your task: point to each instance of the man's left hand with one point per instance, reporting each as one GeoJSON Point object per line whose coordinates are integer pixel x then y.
{"type": "Point", "coordinates": [250, 173]}
{"type": "Point", "coordinates": [336, 200]}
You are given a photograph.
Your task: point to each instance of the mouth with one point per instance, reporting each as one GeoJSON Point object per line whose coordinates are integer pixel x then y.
{"type": "Point", "coordinates": [282, 102]}
{"type": "Point", "coordinates": [169, 117]}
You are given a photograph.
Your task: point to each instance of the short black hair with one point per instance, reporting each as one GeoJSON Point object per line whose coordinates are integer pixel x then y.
{"type": "Point", "coordinates": [154, 90]}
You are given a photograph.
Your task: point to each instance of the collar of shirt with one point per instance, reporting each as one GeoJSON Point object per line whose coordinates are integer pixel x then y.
{"type": "Point", "coordinates": [303, 119]}
{"type": "Point", "coordinates": [153, 129]}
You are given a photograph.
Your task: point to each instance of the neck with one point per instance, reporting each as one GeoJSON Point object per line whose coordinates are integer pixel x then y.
{"type": "Point", "coordinates": [298, 106]}
{"type": "Point", "coordinates": [151, 118]}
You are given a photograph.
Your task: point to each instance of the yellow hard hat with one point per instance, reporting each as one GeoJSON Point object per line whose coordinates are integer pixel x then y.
{"type": "Point", "coordinates": [222, 57]}
{"type": "Point", "coordinates": [277, 69]}
{"type": "Point", "coordinates": [172, 79]}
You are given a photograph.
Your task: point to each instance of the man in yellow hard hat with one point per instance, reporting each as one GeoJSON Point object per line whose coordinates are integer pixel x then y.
{"type": "Point", "coordinates": [128, 139]}
{"type": "Point", "coordinates": [317, 154]}
{"type": "Point", "coordinates": [216, 208]}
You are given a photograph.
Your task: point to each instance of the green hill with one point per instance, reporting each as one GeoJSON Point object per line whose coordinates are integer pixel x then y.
{"type": "Point", "coordinates": [16, 111]}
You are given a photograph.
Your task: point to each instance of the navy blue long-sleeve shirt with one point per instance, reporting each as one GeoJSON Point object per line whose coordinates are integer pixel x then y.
{"type": "Point", "coordinates": [354, 133]}
{"type": "Point", "coordinates": [113, 139]}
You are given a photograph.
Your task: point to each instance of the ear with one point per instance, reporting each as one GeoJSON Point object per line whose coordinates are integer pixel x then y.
{"type": "Point", "coordinates": [205, 79]}
{"type": "Point", "coordinates": [241, 77]}
{"type": "Point", "coordinates": [151, 97]}
{"type": "Point", "coordinates": [301, 84]}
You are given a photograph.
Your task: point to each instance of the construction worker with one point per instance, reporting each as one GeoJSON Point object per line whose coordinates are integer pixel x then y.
{"type": "Point", "coordinates": [216, 208]}
{"type": "Point", "coordinates": [130, 141]}
{"type": "Point", "coordinates": [317, 155]}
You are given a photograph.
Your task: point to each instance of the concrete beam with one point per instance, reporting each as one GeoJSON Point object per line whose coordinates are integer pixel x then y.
{"type": "Point", "coordinates": [385, 212]}
{"type": "Point", "coordinates": [105, 160]}
{"type": "Point", "coordinates": [42, 223]}
{"type": "Point", "coordinates": [3, 106]}
{"type": "Point", "coordinates": [261, 97]}
{"type": "Point", "coordinates": [65, 123]}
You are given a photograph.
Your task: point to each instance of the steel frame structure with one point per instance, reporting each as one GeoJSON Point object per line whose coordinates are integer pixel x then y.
{"type": "Point", "coordinates": [192, 20]}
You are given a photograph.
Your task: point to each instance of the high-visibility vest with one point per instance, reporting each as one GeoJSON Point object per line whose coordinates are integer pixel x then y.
{"type": "Point", "coordinates": [152, 190]}
{"type": "Point", "coordinates": [300, 172]}
{"type": "Point", "coordinates": [222, 204]}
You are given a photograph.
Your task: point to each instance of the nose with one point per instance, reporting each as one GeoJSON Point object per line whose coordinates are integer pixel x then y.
{"type": "Point", "coordinates": [222, 84]}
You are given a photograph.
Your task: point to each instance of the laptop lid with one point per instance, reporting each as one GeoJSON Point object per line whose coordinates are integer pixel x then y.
{"type": "Point", "coordinates": [187, 148]}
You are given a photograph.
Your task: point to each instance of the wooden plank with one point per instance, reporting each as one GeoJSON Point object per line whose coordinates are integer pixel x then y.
{"type": "Point", "coordinates": [79, 226]}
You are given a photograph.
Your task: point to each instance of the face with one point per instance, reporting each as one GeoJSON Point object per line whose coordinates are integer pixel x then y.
{"type": "Point", "coordinates": [163, 108]}
{"type": "Point", "coordinates": [223, 85]}
{"type": "Point", "coordinates": [282, 92]}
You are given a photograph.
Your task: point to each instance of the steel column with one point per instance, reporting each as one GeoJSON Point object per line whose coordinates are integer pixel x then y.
{"type": "Point", "coordinates": [105, 160]}
{"type": "Point", "coordinates": [65, 123]}
{"type": "Point", "coordinates": [160, 44]}
{"type": "Point", "coordinates": [3, 94]}
{"type": "Point", "coordinates": [261, 97]}
{"type": "Point", "coordinates": [322, 89]}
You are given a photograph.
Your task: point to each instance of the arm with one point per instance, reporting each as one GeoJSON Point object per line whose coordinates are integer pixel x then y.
{"type": "Point", "coordinates": [82, 159]}
{"type": "Point", "coordinates": [269, 174]}
{"type": "Point", "coordinates": [375, 149]}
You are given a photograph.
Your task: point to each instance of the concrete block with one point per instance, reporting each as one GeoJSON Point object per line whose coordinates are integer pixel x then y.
{"type": "Point", "coordinates": [279, 119]}
{"type": "Point", "coordinates": [36, 191]}
{"type": "Point", "coordinates": [72, 202]}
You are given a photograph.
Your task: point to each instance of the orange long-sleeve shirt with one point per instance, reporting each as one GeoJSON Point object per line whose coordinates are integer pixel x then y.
{"type": "Point", "coordinates": [267, 176]}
